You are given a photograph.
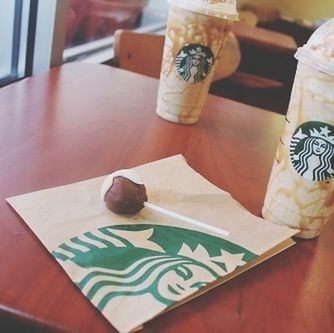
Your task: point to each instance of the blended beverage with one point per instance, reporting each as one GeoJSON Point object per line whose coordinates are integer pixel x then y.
{"type": "Point", "coordinates": [300, 192]}
{"type": "Point", "coordinates": [196, 30]}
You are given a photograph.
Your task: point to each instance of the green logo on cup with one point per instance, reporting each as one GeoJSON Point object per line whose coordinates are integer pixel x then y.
{"type": "Point", "coordinates": [194, 62]}
{"type": "Point", "coordinates": [312, 150]}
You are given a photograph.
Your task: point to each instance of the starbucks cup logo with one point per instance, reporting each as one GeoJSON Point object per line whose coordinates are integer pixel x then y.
{"type": "Point", "coordinates": [312, 151]}
{"type": "Point", "coordinates": [194, 62]}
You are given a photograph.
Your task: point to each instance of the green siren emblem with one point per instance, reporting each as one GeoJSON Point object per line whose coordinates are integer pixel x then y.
{"type": "Point", "coordinates": [169, 263]}
{"type": "Point", "coordinates": [312, 151]}
{"type": "Point", "coordinates": [194, 62]}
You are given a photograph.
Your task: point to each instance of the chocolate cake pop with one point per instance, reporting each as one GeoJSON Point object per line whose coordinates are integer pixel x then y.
{"type": "Point", "coordinates": [124, 193]}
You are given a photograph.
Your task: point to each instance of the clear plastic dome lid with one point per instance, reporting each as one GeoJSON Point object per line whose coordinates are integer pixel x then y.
{"type": "Point", "coordinates": [318, 52]}
{"type": "Point", "coordinates": [220, 8]}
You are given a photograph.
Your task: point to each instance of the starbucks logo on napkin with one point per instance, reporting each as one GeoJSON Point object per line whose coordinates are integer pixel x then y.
{"type": "Point", "coordinates": [312, 150]}
{"type": "Point", "coordinates": [164, 262]}
{"type": "Point", "coordinates": [194, 62]}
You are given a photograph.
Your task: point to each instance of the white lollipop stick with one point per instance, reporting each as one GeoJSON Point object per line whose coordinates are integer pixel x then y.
{"type": "Point", "coordinates": [133, 176]}
{"type": "Point", "coordinates": [186, 219]}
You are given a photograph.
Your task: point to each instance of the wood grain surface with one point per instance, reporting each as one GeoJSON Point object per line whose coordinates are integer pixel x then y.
{"type": "Point", "coordinates": [81, 121]}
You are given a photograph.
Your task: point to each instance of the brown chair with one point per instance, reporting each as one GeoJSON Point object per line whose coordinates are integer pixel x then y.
{"type": "Point", "coordinates": [142, 53]}
{"type": "Point", "coordinates": [138, 52]}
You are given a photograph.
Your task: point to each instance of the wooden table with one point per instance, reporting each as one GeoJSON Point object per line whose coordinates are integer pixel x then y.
{"type": "Point", "coordinates": [264, 38]}
{"type": "Point", "coordinates": [82, 121]}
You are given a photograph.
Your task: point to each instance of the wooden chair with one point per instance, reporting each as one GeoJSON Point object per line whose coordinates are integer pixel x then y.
{"type": "Point", "coordinates": [138, 52]}
{"type": "Point", "coordinates": [142, 53]}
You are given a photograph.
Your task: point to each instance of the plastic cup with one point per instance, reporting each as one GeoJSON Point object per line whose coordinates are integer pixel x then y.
{"type": "Point", "coordinates": [300, 192]}
{"type": "Point", "coordinates": [196, 30]}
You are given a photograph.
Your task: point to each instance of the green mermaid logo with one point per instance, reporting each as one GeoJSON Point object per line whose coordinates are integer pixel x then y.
{"type": "Point", "coordinates": [169, 263]}
{"type": "Point", "coordinates": [194, 62]}
{"type": "Point", "coordinates": [312, 151]}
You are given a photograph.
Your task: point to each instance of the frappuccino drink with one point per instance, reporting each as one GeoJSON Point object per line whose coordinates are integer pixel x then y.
{"type": "Point", "coordinates": [196, 30]}
{"type": "Point", "coordinates": [300, 192]}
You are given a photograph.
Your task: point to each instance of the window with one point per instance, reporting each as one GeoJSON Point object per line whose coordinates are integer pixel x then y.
{"type": "Point", "coordinates": [38, 34]}
{"type": "Point", "coordinates": [27, 37]}
{"type": "Point", "coordinates": [92, 23]}
{"type": "Point", "coordinates": [13, 39]}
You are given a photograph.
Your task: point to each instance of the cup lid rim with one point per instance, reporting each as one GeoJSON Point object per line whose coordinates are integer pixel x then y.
{"type": "Point", "coordinates": [222, 10]}
{"type": "Point", "coordinates": [305, 56]}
